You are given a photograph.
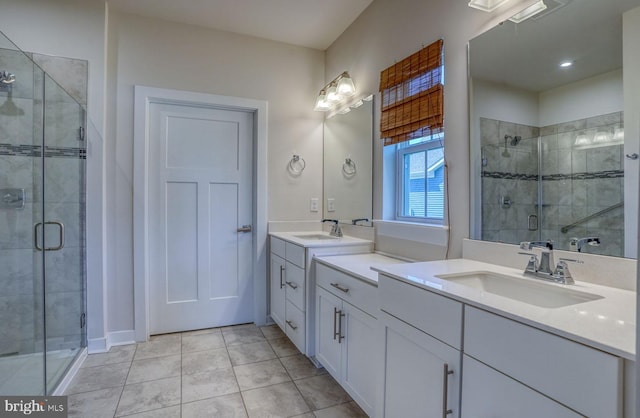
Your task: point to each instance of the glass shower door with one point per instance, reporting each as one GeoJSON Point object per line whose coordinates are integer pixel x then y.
{"type": "Point", "coordinates": [63, 229]}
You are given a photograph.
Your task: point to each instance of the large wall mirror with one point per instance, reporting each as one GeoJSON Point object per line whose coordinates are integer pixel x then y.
{"type": "Point", "coordinates": [348, 164]}
{"type": "Point", "coordinates": [548, 145]}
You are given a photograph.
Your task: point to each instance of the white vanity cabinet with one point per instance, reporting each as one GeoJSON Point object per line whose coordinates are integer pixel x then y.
{"type": "Point", "coordinates": [292, 285]}
{"type": "Point", "coordinates": [346, 332]}
{"type": "Point", "coordinates": [508, 363]}
{"type": "Point", "coordinates": [421, 333]}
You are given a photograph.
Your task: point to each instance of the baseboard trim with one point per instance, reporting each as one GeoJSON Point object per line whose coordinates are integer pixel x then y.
{"type": "Point", "coordinates": [121, 338]}
{"type": "Point", "coordinates": [97, 345]}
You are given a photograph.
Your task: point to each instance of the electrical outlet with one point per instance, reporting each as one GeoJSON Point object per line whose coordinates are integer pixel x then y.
{"type": "Point", "coordinates": [331, 205]}
{"type": "Point", "coordinates": [313, 204]}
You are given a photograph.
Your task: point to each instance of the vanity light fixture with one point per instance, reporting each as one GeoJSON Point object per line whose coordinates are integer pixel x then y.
{"type": "Point", "coordinates": [530, 11]}
{"type": "Point", "coordinates": [338, 91]}
{"type": "Point", "coordinates": [486, 5]}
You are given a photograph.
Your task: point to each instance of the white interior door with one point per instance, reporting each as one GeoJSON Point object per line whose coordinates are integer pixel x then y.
{"type": "Point", "coordinates": [200, 200]}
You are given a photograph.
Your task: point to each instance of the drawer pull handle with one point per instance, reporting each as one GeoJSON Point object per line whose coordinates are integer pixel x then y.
{"type": "Point", "coordinates": [292, 285]}
{"type": "Point", "coordinates": [337, 286]}
{"type": "Point", "coordinates": [337, 329]}
{"type": "Point", "coordinates": [281, 271]}
{"type": "Point", "coordinates": [445, 390]}
{"type": "Point", "coordinates": [293, 327]}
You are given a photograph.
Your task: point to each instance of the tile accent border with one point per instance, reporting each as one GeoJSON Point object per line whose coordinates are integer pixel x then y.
{"type": "Point", "coordinates": [607, 174]}
{"type": "Point", "coordinates": [36, 151]}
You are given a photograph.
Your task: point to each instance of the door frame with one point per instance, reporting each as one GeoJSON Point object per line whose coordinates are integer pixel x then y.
{"type": "Point", "coordinates": [144, 97]}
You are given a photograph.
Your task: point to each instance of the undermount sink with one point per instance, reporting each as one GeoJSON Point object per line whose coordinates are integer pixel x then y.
{"type": "Point", "coordinates": [315, 236]}
{"type": "Point", "coordinates": [544, 295]}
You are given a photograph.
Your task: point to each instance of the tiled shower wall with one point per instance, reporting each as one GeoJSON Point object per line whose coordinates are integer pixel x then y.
{"type": "Point", "coordinates": [576, 181]}
{"type": "Point", "coordinates": [22, 123]}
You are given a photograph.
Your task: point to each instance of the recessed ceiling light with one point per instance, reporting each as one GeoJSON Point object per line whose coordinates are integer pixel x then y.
{"type": "Point", "coordinates": [565, 64]}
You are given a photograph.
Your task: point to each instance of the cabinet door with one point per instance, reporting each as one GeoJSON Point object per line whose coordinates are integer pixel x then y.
{"type": "Point", "coordinates": [359, 365]}
{"type": "Point", "coordinates": [416, 382]}
{"type": "Point", "coordinates": [488, 393]}
{"type": "Point", "coordinates": [328, 320]}
{"type": "Point", "coordinates": [278, 291]}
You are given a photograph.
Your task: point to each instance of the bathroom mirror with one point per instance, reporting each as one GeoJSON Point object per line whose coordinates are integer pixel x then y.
{"type": "Point", "coordinates": [348, 164]}
{"type": "Point", "coordinates": [547, 128]}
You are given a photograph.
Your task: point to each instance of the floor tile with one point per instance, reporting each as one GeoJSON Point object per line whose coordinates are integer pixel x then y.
{"type": "Point", "coordinates": [119, 354]}
{"type": "Point", "coordinates": [203, 361]}
{"type": "Point", "coordinates": [282, 400]}
{"type": "Point", "coordinates": [99, 377]}
{"type": "Point", "coordinates": [322, 391]}
{"type": "Point", "coordinates": [345, 410]}
{"type": "Point", "coordinates": [202, 342]}
{"type": "Point", "coordinates": [250, 353]}
{"type": "Point", "coordinates": [97, 404]}
{"type": "Point", "coordinates": [242, 335]}
{"type": "Point", "coordinates": [208, 385]}
{"type": "Point", "coordinates": [227, 406]}
{"type": "Point", "coordinates": [154, 368]}
{"type": "Point", "coordinates": [159, 346]}
{"type": "Point", "coordinates": [260, 374]}
{"type": "Point", "coordinates": [146, 396]}
{"type": "Point", "coordinates": [307, 415]}
{"type": "Point", "coordinates": [201, 332]}
{"type": "Point", "coordinates": [283, 347]}
{"type": "Point", "coordinates": [271, 332]}
{"type": "Point", "coordinates": [299, 366]}
{"type": "Point", "coordinates": [170, 412]}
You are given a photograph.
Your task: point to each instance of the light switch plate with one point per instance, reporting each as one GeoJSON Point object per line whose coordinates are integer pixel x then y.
{"type": "Point", "coordinates": [331, 205]}
{"type": "Point", "coordinates": [313, 204]}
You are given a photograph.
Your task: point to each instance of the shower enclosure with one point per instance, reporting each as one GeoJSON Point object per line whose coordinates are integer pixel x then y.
{"type": "Point", "coordinates": [42, 219]}
{"type": "Point", "coordinates": [554, 182]}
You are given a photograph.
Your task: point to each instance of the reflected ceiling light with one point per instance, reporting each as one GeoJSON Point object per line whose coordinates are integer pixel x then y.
{"type": "Point", "coordinates": [566, 64]}
{"type": "Point", "coordinates": [530, 11]}
{"type": "Point", "coordinates": [486, 5]}
{"type": "Point", "coordinates": [336, 93]}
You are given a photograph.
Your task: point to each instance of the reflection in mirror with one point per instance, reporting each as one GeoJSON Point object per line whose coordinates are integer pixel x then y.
{"type": "Point", "coordinates": [547, 123]}
{"type": "Point", "coordinates": [348, 163]}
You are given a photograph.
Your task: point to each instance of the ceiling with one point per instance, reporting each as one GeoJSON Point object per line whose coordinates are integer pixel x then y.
{"type": "Point", "coordinates": [308, 23]}
{"type": "Point", "coordinates": [527, 55]}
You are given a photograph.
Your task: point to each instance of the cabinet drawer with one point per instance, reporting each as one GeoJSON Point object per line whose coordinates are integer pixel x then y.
{"type": "Point", "coordinates": [295, 254]}
{"type": "Point", "coordinates": [358, 293]}
{"type": "Point", "coordinates": [295, 326]}
{"type": "Point", "coordinates": [584, 379]}
{"type": "Point", "coordinates": [278, 246]}
{"type": "Point", "coordinates": [436, 315]}
{"type": "Point", "coordinates": [294, 284]}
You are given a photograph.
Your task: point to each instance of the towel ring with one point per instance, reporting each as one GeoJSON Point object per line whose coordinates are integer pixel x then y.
{"type": "Point", "coordinates": [297, 164]}
{"type": "Point", "coordinates": [349, 167]}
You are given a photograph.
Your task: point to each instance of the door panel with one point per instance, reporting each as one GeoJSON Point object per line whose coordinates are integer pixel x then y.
{"type": "Point", "coordinates": [201, 163]}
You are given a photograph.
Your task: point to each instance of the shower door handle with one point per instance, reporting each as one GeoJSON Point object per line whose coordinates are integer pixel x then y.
{"type": "Point", "coordinates": [60, 236]}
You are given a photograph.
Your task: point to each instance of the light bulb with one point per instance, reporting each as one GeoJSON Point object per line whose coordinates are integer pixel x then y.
{"type": "Point", "coordinates": [332, 94]}
{"type": "Point", "coordinates": [322, 104]}
{"type": "Point", "coordinates": [346, 86]}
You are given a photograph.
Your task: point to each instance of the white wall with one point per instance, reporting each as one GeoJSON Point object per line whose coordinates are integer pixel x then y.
{"type": "Point", "coordinates": [156, 53]}
{"type": "Point", "coordinates": [504, 103]}
{"type": "Point", "coordinates": [583, 99]}
{"type": "Point", "coordinates": [388, 31]}
{"type": "Point", "coordinates": [73, 29]}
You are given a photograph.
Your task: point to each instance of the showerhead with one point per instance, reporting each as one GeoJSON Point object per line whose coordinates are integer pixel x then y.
{"type": "Point", "coordinates": [7, 77]}
{"type": "Point", "coordinates": [515, 140]}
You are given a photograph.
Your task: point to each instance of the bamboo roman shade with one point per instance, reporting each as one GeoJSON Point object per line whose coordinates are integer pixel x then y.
{"type": "Point", "coordinates": [412, 96]}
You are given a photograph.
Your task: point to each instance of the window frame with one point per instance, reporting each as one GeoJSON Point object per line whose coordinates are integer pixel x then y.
{"type": "Point", "coordinates": [401, 150]}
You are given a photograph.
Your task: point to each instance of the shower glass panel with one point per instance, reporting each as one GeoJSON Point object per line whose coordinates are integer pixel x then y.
{"type": "Point", "coordinates": [555, 182]}
{"type": "Point", "coordinates": [42, 239]}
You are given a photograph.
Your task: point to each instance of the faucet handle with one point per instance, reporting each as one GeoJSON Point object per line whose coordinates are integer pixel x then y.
{"type": "Point", "coordinates": [562, 273]}
{"type": "Point", "coordinates": [532, 265]}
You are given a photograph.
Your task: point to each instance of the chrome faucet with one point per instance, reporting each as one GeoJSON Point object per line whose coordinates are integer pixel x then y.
{"type": "Point", "coordinates": [335, 230]}
{"type": "Point", "coordinates": [544, 268]}
{"type": "Point", "coordinates": [576, 244]}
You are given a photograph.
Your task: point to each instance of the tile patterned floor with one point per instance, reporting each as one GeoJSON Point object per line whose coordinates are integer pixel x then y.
{"type": "Point", "coordinates": [239, 371]}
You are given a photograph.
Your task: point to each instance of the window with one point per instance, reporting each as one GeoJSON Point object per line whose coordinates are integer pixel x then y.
{"type": "Point", "coordinates": [412, 121]}
{"type": "Point", "coordinates": [420, 175]}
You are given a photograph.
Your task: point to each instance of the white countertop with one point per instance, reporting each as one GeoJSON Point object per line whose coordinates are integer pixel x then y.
{"type": "Point", "coordinates": [608, 324]}
{"type": "Point", "coordinates": [359, 265]}
{"type": "Point", "coordinates": [296, 238]}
